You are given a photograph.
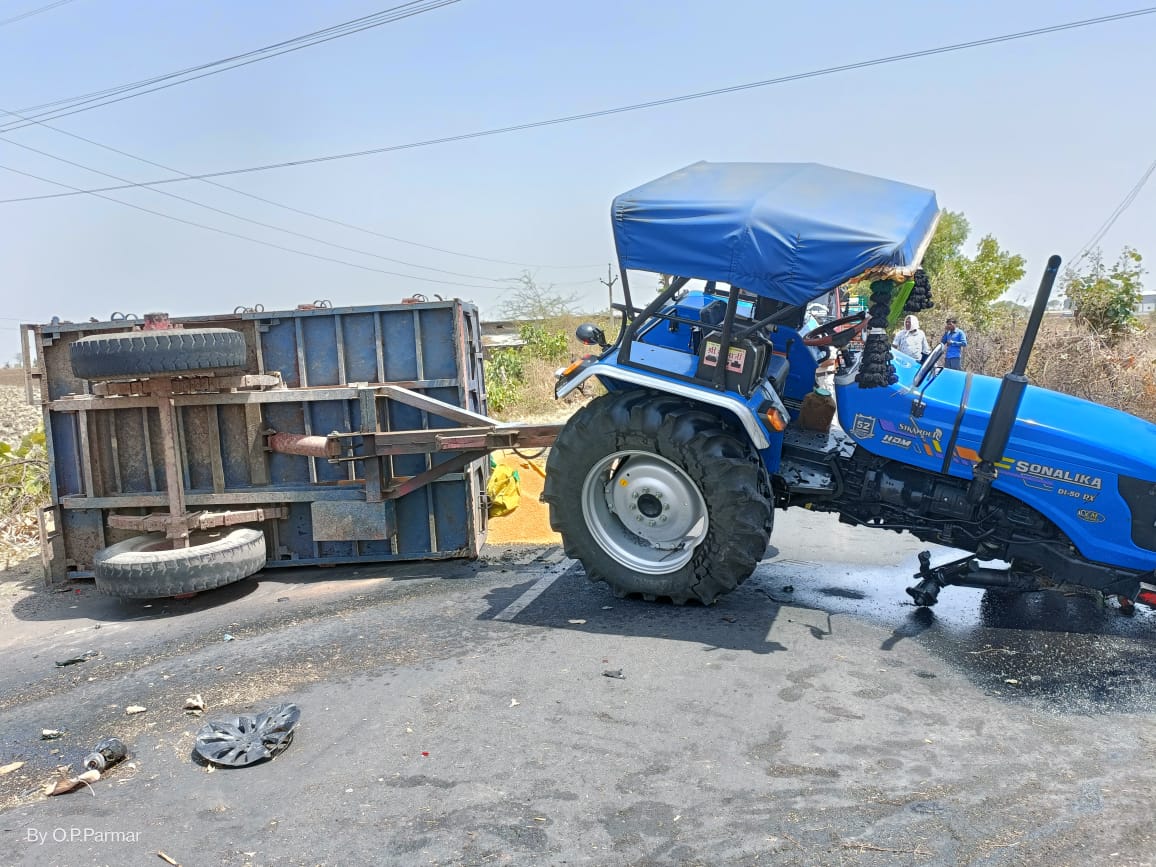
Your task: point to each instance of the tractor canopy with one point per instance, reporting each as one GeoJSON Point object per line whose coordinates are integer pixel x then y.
{"type": "Point", "coordinates": [788, 231]}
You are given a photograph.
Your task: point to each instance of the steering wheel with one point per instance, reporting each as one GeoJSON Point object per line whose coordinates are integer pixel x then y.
{"type": "Point", "coordinates": [837, 332]}
{"type": "Point", "coordinates": [928, 366]}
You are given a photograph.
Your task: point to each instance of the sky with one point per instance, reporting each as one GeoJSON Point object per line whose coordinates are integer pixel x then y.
{"type": "Point", "coordinates": [1036, 141]}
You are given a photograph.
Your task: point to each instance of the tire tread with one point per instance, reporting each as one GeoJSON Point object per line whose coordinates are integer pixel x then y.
{"type": "Point", "coordinates": [145, 353]}
{"type": "Point", "coordinates": [121, 571]}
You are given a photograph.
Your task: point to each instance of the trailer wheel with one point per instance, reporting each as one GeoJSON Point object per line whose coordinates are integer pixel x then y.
{"type": "Point", "coordinates": [144, 567]}
{"type": "Point", "coordinates": [657, 497]}
{"type": "Point", "coordinates": [175, 351]}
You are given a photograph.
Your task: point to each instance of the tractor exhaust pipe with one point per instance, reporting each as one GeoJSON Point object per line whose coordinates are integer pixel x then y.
{"type": "Point", "coordinates": [1011, 394]}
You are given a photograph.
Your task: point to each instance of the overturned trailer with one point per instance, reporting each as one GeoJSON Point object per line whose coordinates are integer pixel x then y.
{"type": "Point", "coordinates": [190, 452]}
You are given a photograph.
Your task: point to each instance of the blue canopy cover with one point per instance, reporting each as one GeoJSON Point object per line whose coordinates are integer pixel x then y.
{"type": "Point", "coordinates": [789, 231]}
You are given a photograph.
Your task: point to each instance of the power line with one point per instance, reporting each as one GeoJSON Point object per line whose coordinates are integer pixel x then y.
{"type": "Point", "coordinates": [245, 219]}
{"type": "Point", "coordinates": [1106, 226]}
{"type": "Point", "coordinates": [299, 210]}
{"type": "Point", "coordinates": [246, 237]}
{"type": "Point", "coordinates": [6, 21]}
{"type": "Point", "coordinates": [800, 76]}
{"type": "Point", "coordinates": [98, 99]}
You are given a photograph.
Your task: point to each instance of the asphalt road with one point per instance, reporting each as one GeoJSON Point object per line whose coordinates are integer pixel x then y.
{"type": "Point", "coordinates": [461, 714]}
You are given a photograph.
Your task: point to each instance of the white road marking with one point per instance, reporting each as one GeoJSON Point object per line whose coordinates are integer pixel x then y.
{"type": "Point", "coordinates": [537, 589]}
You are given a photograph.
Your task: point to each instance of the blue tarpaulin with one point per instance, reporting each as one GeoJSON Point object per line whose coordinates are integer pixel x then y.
{"type": "Point", "coordinates": [789, 231]}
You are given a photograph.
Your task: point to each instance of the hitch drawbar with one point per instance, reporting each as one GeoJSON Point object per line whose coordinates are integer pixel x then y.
{"type": "Point", "coordinates": [965, 572]}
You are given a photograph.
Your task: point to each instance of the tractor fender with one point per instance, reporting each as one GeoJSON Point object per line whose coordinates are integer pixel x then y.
{"type": "Point", "coordinates": [742, 413]}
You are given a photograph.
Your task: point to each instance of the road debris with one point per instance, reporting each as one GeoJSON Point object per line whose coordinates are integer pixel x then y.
{"type": "Point", "coordinates": [195, 704]}
{"type": "Point", "coordinates": [50, 734]}
{"type": "Point", "coordinates": [615, 673]}
{"type": "Point", "coordinates": [576, 622]}
{"type": "Point", "coordinates": [227, 637]}
{"type": "Point", "coordinates": [514, 702]}
{"type": "Point", "coordinates": [10, 767]}
{"type": "Point", "coordinates": [918, 851]}
{"type": "Point", "coordinates": [105, 754]}
{"type": "Point", "coordinates": [135, 709]}
{"type": "Point", "coordinates": [76, 660]}
{"type": "Point", "coordinates": [167, 859]}
{"type": "Point", "coordinates": [67, 784]}
{"type": "Point", "coordinates": [244, 739]}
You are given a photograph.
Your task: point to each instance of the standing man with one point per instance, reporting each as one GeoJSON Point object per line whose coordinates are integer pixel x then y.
{"type": "Point", "coordinates": [955, 339]}
{"type": "Point", "coordinates": [910, 340]}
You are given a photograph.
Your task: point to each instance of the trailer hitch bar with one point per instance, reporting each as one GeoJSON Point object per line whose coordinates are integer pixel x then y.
{"type": "Point", "coordinates": [964, 572]}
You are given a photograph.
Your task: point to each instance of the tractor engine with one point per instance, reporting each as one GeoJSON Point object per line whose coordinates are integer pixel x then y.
{"type": "Point", "coordinates": [918, 493]}
{"type": "Point", "coordinates": [881, 493]}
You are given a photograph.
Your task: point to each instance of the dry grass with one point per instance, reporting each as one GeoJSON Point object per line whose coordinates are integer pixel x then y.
{"type": "Point", "coordinates": [535, 401]}
{"type": "Point", "coordinates": [1069, 358]}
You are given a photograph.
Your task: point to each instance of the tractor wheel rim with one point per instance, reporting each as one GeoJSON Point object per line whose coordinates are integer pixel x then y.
{"type": "Point", "coordinates": [644, 511]}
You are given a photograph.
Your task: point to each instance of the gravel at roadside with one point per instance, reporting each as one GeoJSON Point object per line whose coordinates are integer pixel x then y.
{"type": "Point", "coordinates": [17, 418]}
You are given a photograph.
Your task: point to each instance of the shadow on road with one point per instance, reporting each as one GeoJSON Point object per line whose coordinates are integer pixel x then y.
{"type": "Point", "coordinates": [741, 620]}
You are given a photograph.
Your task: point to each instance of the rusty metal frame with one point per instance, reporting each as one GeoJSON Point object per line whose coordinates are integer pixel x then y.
{"type": "Point", "coordinates": [162, 522]}
{"type": "Point", "coordinates": [472, 443]}
{"type": "Point", "coordinates": [159, 386]}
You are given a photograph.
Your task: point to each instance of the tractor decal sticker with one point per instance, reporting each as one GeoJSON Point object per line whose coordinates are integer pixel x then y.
{"type": "Point", "coordinates": [1040, 476]}
{"type": "Point", "coordinates": [968, 455]}
{"type": "Point", "coordinates": [864, 426]}
{"type": "Point", "coordinates": [736, 356]}
{"type": "Point", "coordinates": [1091, 516]}
{"type": "Point", "coordinates": [929, 438]}
{"type": "Point", "coordinates": [892, 440]}
{"type": "Point", "coordinates": [1043, 471]}
{"type": "Point", "coordinates": [735, 359]}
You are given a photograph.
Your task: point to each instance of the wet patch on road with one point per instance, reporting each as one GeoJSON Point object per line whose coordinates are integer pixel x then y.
{"type": "Point", "coordinates": [1064, 652]}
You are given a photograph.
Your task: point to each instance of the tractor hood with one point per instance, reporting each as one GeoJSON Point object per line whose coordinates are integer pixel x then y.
{"type": "Point", "coordinates": [789, 231]}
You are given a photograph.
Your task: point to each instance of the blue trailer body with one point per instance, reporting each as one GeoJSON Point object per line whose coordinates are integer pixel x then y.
{"type": "Point", "coordinates": [108, 452]}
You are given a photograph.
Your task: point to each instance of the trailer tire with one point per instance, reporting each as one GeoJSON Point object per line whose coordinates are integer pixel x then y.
{"type": "Point", "coordinates": [680, 447]}
{"type": "Point", "coordinates": [168, 352]}
{"type": "Point", "coordinates": [142, 568]}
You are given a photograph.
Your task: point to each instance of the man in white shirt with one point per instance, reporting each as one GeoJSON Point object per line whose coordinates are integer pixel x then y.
{"type": "Point", "coordinates": [910, 340]}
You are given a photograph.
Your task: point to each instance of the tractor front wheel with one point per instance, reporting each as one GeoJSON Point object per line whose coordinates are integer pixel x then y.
{"type": "Point", "coordinates": [657, 497]}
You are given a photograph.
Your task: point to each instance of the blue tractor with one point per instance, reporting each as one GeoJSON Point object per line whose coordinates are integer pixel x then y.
{"type": "Point", "coordinates": [667, 485]}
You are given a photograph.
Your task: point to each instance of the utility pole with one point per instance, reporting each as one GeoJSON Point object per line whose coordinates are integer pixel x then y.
{"type": "Point", "coordinates": [609, 284]}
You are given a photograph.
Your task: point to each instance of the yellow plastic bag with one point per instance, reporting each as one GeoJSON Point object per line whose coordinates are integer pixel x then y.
{"type": "Point", "coordinates": [504, 490]}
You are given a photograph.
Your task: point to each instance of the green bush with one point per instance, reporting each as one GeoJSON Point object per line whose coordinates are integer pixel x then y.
{"type": "Point", "coordinates": [23, 487]}
{"type": "Point", "coordinates": [1106, 298]}
{"type": "Point", "coordinates": [504, 372]}
{"type": "Point", "coordinates": [544, 343]}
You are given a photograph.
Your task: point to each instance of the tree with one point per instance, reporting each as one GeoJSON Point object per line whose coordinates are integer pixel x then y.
{"type": "Point", "coordinates": [985, 277]}
{"type": "Point", "coordinates": [946, 244]}
{"type": "Point", "coordinates": [1106, 299]}
{"type": "Point", "coordinates": [528, 300]}
{"type": "Point", "coordinates": [966, 285]}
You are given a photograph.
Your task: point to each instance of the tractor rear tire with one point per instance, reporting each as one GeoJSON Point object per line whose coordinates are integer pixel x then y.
{"type": "Point", "coordinates": [144, 568]}
{"type": "Point", "coordinates": [168, 352]}
{"type": "Point", "coordinates": [627, 444]}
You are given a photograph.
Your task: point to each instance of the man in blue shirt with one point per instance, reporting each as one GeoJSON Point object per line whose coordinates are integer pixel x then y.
{"type": "Point", "coordinates": [955, 339]}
